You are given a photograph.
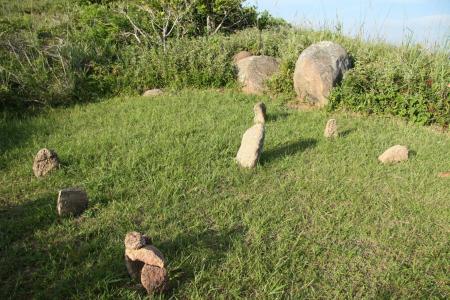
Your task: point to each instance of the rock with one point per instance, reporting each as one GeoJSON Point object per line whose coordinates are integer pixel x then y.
{"type": "Point", "coordinates": [253, 71]}
{"type": "Point", "coordinates": [71, 201]}
{"type": "Point", "coordinates": [260, 113]}
{"type": "Point", "coordinates": [444, 174]}
{"type": "Point", "coordinates": [154, 279]}
{"type": "Point", "coordinates": [319, 68]}
{"type": "Point", "coordinates": [135, 240]}
{"type": "Point", "coordinates": [394, 154]}
{"type": "Point", "coordinates": [148, 254]}
{"type": "Point", "coordinates": [45, 161]}
{"type": "Point", "coordinates": [152, 93]}
{"type": "Point", "coordinates": [134, 267]}
{"type": "Point", "coordinates": [241, 55]}
{"type": "Point", "coordinates": [251, 146]}
{"type": "Point", "coordinates": [331, 130]}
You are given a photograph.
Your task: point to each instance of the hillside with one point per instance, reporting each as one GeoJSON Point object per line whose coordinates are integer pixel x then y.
{"type": "Point", "coordinates": [315, 219]}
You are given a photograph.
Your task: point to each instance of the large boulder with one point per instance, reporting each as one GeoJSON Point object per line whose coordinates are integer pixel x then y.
{"type": "Point", "coordinates": [319, 68]}
{"type": "Point", "coordinates": [253, 72]}
{"type": "Point", "coordinates": [45, 161]}
{"type": "Point", "coordinates": [251, 146]}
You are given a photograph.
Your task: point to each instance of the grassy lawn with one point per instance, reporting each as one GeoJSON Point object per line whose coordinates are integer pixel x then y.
{"type": "Point", "coordinates": [315, 219]}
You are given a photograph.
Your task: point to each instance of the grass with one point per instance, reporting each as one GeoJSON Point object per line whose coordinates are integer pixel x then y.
{"type": "Point", "coordinates": [315, 219]}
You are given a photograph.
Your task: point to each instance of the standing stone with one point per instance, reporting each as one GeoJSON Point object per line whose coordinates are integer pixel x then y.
{"type": "Point", "coordinates": [152, 93]}
{"type": "Point", "coordinates": [241, 55]}
{"type": "Point", "coordinates": [260, 113]}
{"type": "Point", "coordinates": [251, 146]}
{"type": "Point", "coordinates": [72, 201]}
{"type": "Point", "coordinates": [331, 130]}
{"type": "Point", "coordinates": [45, 161]}
{"type": "Point", "coordinates": [394, 154]}
{"type": "Point", "coordinates": [253, 72]}
{"type": "Point", "coordinates": [319, 68]}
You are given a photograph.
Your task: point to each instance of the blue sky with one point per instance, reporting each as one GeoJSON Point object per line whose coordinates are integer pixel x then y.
{"type": "Point", "coordinates": [425, 21]}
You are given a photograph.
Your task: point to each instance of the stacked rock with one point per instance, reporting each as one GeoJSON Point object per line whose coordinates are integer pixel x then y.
{"type": "Point", "coordinates": [145, 262]}
{"type": "Point", "coordinates": [253, 139]}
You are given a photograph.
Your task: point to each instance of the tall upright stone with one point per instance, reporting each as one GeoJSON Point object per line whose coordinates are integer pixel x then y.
{"type": "Point", "coordinates": [319, 68]}
{"type": "Point", "coordinates": [260, 113]}
{"type": "Point", "coordinates": [251, 146]}
{"type": "Point", "coordinates": [331, 130]}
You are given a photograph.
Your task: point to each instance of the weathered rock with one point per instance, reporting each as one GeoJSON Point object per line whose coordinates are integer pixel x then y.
{"type": "Point", "coordinates": [154, 279]}
{"type": "Point", "coordinates": [251, 146]}
{"type": "Point", "coordinates": [319, 68]}
{"type": "Point", "coordinates": [260, 113]}
{"type": "Point", "coordinates": [331, 130]}
{"type": "Point", "coordinates": [394, 154]}
{"type": "Point", "coordinates": [152, 93]}
{"type": "Point", "coordinates": [134, 267]}
{"type": "Point", "coordinates": [45, 161]}
{"type": "Point", "coordinates": [136, 240]}
{"type": "Point", "coordinates": [148, 254]}
{"type": "Point", "coordinates": [253, 71]}
{"type": "Point", "coordinates": [241, 55]}
{"type": "Point", "coordinates": [71, 201]}
{"type": "Point", "coordinates": [444, 174]}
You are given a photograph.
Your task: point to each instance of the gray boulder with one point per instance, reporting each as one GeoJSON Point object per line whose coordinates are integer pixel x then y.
{"type": "Point", "coordinates": [251, 146]}
{"type": "Point", "coordinates": [71, 201]}
{"type": "Point", "coordinates": [319, 68]}
{"type": "Point", "coordinates": [253, 72]}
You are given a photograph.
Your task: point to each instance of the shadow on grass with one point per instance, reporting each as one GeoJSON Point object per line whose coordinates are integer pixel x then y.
{"type": "Point", "coordinates": [277, 116]}
{"type": "Point", "coordinates": [287, 149]}
{"type": "Point", "coordinates": [346, 132]}
{"type": "Point", "coordinates": [214, 244]}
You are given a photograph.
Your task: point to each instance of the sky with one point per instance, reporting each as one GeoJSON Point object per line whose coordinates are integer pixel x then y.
{"type": "Point", "coordinates": [395, 21]}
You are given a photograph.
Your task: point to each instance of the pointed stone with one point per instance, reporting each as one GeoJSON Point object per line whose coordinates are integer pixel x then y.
{"type": "Point", "coordinates": [394, 154]}
{"type": "Point", "coordinates": [331, 130]}
{"type": "Point", "coordinates": [251, 146]}
{"type": "Point", "coordinates": [260, 113]}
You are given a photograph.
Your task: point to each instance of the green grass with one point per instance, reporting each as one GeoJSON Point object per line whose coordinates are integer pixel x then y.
{"type": "Point", "coordinates": [315, 219]}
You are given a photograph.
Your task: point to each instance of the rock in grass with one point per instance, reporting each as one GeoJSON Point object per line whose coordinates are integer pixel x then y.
{"type": "Point", "coordinates": [331, 130]}
{"type": "Point", "coordinates": [152, 93]}
{"type": "Point", "coordinates": [253, 72]}
{"type": "Point", "coordinates": [72, 201]}
{"type": "Point", "coordinates": [134, 267]}
{"type": "Point", "coordinates": [148, 254]}
{"type": "Point", "coordinates": [45, 161]}
{"type": "Point", "coordinates": [154, 279]}
{"type": "Point", "coordinates": [260, 113]}
{"type": "Point", "coordinates": [241, 55]}
{"type": "Point", "coordinates": [318, 69]}
{"type": "Point", "coordinates": [444, 174]}
{"type": "Point", "coordinates": [394, 154]}
{"type": "Point", "coordinates": [251, 146]}
{"type": "Point", "coordinates": [135, 240]}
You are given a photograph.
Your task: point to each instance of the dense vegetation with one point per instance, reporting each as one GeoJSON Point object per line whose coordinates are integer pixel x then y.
{"type": "Point", "coordinates": [316, 219]}
{"type": "Point", "coordinates": [61, 52]}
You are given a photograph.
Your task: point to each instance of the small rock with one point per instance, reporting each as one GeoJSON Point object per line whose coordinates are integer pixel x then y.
{"type": "Point", "coordinates": [394, 154]}
{"type": "Point", "coordinates": [254, 71]}
{"type": "Point", "coordinates": [45, 161]}
{"type": "Point", "coordinates": [444, 174]}
{"type": "Point", "coordinates": [148, 254]}
{"type": "Point", "coordinates": [135, 240]}
{"type": "Point", "coordinates": [260, 113]}
{"type": "Point", "coordinates": [241, 55]}
{"type": "Point", "coordinates": [251, 146]}
{"type": "Point", "coordinates": [134, 267]}
{"type": "Point", "coordinates": [331, 130]}
{"type": "Point", "coordinates": [154, 279]}
{"type": "Point", "coordinates": [71, 201]}
{"type": "Point", "coordinates": [152, 93]}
